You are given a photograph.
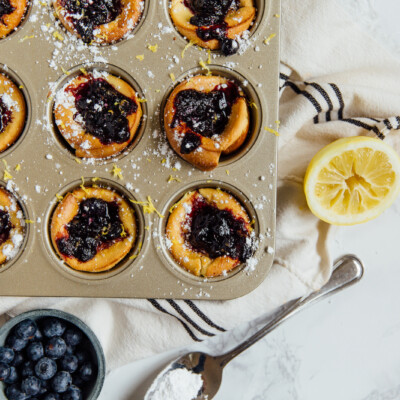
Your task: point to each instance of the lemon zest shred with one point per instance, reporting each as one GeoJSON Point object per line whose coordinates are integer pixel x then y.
{"type": "Point", "coordinates": [269, 38]}
{"type": "Point", "coordinates": [142, 100]}
{"type": "Point", "coordinates": [252, 104]}
{"type": "Point", "coordinates": [57, 35]}
{"type": "Point", "coordinates": [18, 167]}
{"type": "Point", "coordinates": [138, 251]}
{"type": "Point", "coordinates": [78, 161]}
{"type": "Point", "coordinates": [277, 15]}
{"type": "Point", "coordinates": [65, 71]}
{"type": "Point", "coordinates": [123, 233]}
{"type": "Point", "coordinates": [172, 76]}
{"type": "Point", "coordinates": [275, 132]}
{"type": "Point", "coordinates": [205, 67]}
{"type": "Point", "coordinates": [117, 172]}
{"type": "Point", "coordinates": [190, 44]}
{"type": "Point", "coordinates": [7, 176]}
{"type": "Point", "coordinates": [29, 221]}
{"type": "Point", "coordinates": [26, 38]}
{"type": "Point", "coordinates": [153, 48]}
{"type": "Point", "coordinates": [148, 206]}
{"type": "Point", "coordinates": [173, 178]}
{"type": "Point", "coordinates": [140, 57]}
{"type": "Point", "coordinates": [82, 186]}
{"type": "Point", "coordinates": [95, 179]}
{"type": "Point", "coordinates": [278, 123]}
{"type": "Point", "coordinates": [209, 57]}
{"type": "Point", "coordinates": [83, 70]}
{"type": "Point", "coordinates": [59, 197]}
{"type": "Point", "coordinates": [21, 87]}
{"type": "Point", "coordinates": [227, 172]}
{"type": "Point", "coordinates": [163, 161]}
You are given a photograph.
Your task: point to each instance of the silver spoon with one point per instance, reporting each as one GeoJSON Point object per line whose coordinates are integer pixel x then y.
{"type": "Point", "coordinates": [347, 271]}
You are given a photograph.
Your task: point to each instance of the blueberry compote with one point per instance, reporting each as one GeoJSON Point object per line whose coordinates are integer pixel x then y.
{"type": "Point", "coordinates": [218, 233]}
{"type": "Point", "coordinates": [86, 15]}
{"type": "Point", "coordinates": [104, 110]}
{"type": "Point", "coordinates": [5, 116]}
{"type": "Point", "coordinates": [5, 226]}
{"type": "Point", "coordinates": [209, 16]}
{"type": "Point", "coordinates": [205, 114]}
{"type": "Point", "coordinates": [5, 9]}
{"type": "Point", "coordinates": [96, 226]}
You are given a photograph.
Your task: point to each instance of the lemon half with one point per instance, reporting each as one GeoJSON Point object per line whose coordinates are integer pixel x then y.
{"type": "Point", "coordinates": [352, 180]}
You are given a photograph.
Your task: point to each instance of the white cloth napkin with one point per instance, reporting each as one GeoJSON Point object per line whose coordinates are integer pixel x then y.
{"type": "Point", "coordinates": [336, 81]}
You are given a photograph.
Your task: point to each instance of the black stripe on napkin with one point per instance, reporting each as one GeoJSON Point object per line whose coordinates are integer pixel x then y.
{"type": "Point", "coordinates": [340, 98]}
{"type": "Point", "coordinates": [203, 316]}
{"type": "Point", "coordinates": [398, 122]}
{"type": "Point", "coordinates": [388, 124]}
{"type": "Point", "coordinates": [156, 305]}
{"type": "Point", "coordinates": [308, 96]}
{"type": "Point", "coordinates": [363, 125]}
{"type": "Point", "coordinates": [374, 119]}
{"type": "Point", "coordinates": [326, 97]}
{"type": "Point", "coordinates": [187, 318]}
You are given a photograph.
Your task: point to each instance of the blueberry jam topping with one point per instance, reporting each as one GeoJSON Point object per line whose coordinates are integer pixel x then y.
{"type": "Point", "coordinates": [5, 226]}
{"type": "Point", "coordinates": [96, 226]}
{"type": "Point", "coordinates": [205, 114]}
{"type": "Point", "coordinates": [5, 116]}
{"type": "Point", "coordinates": [104, 110]}
{"type": "Point", "coordinates": [5, 9]}
{"type": "Point", "coordinates": [209, 16]}
{"type": "Point", "coordinates": [86, 15]}
{"type": "Point", "coordinates": [218, 233]}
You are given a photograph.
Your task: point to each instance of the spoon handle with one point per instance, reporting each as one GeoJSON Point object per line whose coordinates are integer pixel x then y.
{"type": "Point", "coordinates": [346, 271]}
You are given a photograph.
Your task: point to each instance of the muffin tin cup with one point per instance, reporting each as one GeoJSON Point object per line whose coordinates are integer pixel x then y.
{"type": "Point", "coordinates": [150, 168]}
{"type": "Point", "coordinates": [255, 109]}
{"type": "Point", "coordinates": [26, 241]}
{"type": "Point", "coordinates": [126, 263]}
{"type": "Point", "coordinates": [165, 255]}
{"type": "Point", "coordinates": [9, 73]}
{"type": "Point", "coordinates": [20, 27]}
{"type": "Point", "coordinates": [261, 5]}
{"type": "Point", "coordinates": [89, 68]}
{"type": "Point", "coordinates": [95, 349]}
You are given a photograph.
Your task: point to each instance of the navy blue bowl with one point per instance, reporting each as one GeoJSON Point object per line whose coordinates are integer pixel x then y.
{"type": "Point", "coordinates": [95, 347]}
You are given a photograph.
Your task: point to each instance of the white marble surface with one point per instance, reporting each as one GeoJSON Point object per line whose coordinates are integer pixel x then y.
{"type": "Point", "coordinates": [343, 348]}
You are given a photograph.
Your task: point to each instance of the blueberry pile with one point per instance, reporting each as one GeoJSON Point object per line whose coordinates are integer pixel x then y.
{"type": "Point", "coordinates": [46, 360]}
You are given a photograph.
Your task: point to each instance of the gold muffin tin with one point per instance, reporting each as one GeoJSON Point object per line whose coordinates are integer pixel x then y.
{"type": "Point", "coordinates": [40, 57]}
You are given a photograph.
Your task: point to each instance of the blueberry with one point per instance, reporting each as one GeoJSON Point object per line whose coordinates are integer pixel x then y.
{"type": "Point", "coordinates": [61, 382]}
{"type": "Point", "coordinates": [15, 342]}
{"type": "Point", "coordinates": [31, 386]}
{"type": "Point", "coordinates": [18, 359]}
{"type": "Point", "coordinates": [4, 371]}
{"type": "Point", "coordinates": [26, 329]}
{"type": "Point", "coordinates": [52, 396]}
{"type": "Point", "coordinates": [229, 46]}
{"type": "Point", "coordinates": [27, 369]}
{"type": "Point", "coordinates": [73, 393]}
{"type": "Point", "coordinates": [14, 393]}
{"type": "Point", "coordinates": [53, 327]}
{"type": "Point", "coordinates": [77, 380]}
{"type": "Point", "coordinates": [86, 371]}
{"type": "Point", "coordinates": [12, 377]}
{"type": "Point", "coordinates": [38, 335]}
{"type": "Point", "coordinates": [70, 350]}
{"type": "Point", "coordinates": [34, 351]}
{"type": "Point", "coordinates": [45, 368]}
{"type": "Point", "coordinates": [55, 348]}
{"type": "Point", "coordinates": [6, 355]}
{"type": "Point", "coordinates": [69, 363]}
{"type": "Point", "coordinates": [82, 356]}
{"type": "Point", "coordinates": [73, 337]}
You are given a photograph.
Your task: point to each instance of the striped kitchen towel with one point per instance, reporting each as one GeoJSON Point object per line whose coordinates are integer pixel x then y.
{"type": "Point", "coordinates": [335, 81]}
